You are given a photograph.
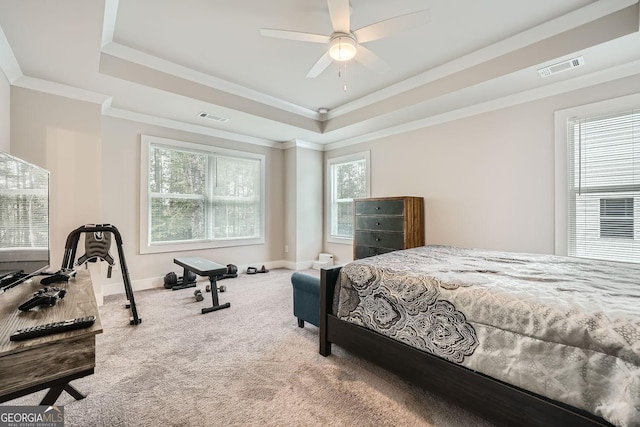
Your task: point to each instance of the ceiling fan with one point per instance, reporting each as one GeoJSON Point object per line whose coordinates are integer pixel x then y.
{"type": "Point", "coordinates": [345, 44]}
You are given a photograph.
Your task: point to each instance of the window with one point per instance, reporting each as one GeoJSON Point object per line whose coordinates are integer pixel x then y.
{"type": "Point", "coordinates": [197, 196]}
{"type": "Point", "coordinates": [603, 185]}
{"type": "Point", "coordinates": [616, 218]}
{"type": "Point", "coordinates": [24, 202]}
{"type": "Point", "coordinates": [347, 179]}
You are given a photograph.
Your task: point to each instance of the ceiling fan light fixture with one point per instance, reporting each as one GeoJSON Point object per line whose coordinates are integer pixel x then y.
{"type": "Point", "coordinates": [342, 48]}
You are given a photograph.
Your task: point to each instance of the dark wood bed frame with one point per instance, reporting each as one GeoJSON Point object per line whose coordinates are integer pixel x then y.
{"type": "Point", "coordinates": [494, 400]}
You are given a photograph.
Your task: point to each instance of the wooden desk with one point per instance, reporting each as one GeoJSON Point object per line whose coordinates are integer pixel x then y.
{"type": "Point", "coordinates": [54, 360]}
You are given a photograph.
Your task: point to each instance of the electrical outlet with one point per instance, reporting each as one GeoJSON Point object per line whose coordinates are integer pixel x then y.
{"type": "Point", "coordinates": [286, 248]}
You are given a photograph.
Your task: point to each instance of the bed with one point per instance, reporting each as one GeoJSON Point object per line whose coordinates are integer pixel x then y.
{"type": "Point", "coordinates": [519, 338]}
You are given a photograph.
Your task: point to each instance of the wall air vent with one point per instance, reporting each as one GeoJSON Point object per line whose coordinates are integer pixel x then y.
{"type": "Point", "coordinates": [213, 117]}
{"type": "Point", "coordinates": [561, 66]}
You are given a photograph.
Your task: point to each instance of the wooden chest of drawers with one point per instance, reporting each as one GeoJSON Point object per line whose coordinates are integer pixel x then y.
{"type": "Point", "coordinates": [387, 224]}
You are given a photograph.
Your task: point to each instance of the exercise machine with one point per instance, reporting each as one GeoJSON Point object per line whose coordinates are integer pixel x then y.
{"type": "Point", "coordinates": [97, 245]}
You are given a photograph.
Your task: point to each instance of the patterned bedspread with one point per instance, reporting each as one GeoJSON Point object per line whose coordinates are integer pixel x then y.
{"type": "Point", "coordinates": [565, 328]}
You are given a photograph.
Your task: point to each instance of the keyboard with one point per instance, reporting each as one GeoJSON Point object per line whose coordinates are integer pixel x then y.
{"type": "Point", "coordinates": [52, 328]}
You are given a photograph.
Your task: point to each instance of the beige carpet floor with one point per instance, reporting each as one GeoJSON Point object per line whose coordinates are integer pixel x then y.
{"type": "Point", "coordinates": [248, 365]}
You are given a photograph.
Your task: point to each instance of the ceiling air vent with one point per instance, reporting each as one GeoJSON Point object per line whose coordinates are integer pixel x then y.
{"type": "Point", "coordinates": [213, 117]}
{"type": "Point", "coordinates": [561, 66]}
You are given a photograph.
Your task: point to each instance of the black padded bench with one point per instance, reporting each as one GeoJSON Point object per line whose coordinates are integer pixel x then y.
{"type": "Point", "coordinates": [203, 267]}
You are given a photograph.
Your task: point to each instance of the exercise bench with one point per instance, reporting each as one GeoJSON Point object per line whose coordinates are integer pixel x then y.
{"type": "Point", "coordinates": [203, 267]}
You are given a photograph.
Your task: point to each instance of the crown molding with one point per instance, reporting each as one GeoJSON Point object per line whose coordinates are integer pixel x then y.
{"type": "Point", "coordinates": [140, 58]}
{"type": "Point", "coordinates": [302, 144]}
{"type": "Point", "coordinates": [65, 91]}
{"type": "Point", "coordinates": [599, 77]}
{"type": "Point", "coordinates": [109, 21]}
{"type": "Point", "coordinates": [8, 62]}
{"type": "Point", "coordinates": [120, 113]}
{"type": "Point", "coordinates": [546, 30]}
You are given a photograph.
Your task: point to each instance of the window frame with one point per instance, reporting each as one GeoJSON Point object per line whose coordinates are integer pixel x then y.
{"type": "Point", "coordinates": [561, 155]}
{"type": "Point", "coordinates": [329, 217]}
{"type": "Point", "coordinates": [146, 141]}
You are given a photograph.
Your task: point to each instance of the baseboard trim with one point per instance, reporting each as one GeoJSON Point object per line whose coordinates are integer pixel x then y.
{"type": "Point", "coordinates": [115, 288]}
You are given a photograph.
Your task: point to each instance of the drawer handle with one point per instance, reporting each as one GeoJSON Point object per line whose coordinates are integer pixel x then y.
{"type": "Point", "coordinates": [377, 223]}
{"type": "Point", "coordinates": [377, 208]}
{"type": "Point", "coordinates": [377, 239]}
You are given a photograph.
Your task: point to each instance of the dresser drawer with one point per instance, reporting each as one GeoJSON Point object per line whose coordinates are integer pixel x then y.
{"type": "Point", "coordinates": [367, 251]}
{"type": "Point", "coordinates": [386, 223]}
{"type": "Point", "coordinates": [380, 207]}
{"type": "Point", "coordinates": [382, 239]}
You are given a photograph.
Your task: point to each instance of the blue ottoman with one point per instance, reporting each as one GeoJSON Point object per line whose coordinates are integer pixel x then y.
{"type": "Point", "coordinates": [306, 298]}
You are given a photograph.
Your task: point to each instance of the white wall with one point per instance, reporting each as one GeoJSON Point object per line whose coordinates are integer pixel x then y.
{"type": "Point", "coordinates": [303, 189]}
{"type": "Point", "coordinates": [309, 235]}
{"type": "Point", "coordinates": [5, 113]}
{"type": "Point", "coordinates": [487, 180]}
{"type": "Point", "coordinates": [63, 136]}
{"type": "Point", "coordinates": [290, 208]}
{"type": "Point", "coordinates": [120, 156]}
{"type": "Point", "coordinates": [94, 163]}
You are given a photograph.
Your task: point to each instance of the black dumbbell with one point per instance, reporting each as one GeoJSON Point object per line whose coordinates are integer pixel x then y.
{"type": "Point", "coordinates": [198, 294]}
{"type": "Point", "coordinates": [221, 288]}
{"type": "Point", "coordinates": [170, 280]}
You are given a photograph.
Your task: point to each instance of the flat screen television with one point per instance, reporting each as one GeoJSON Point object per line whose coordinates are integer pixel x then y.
{"type": "Point", "coordinates": [24, 221]}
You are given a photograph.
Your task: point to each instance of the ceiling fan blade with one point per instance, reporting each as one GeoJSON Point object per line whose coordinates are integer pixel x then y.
{"type": "Point", "coordinates": [295, 35]}
{"type": "Point", "coordinates": [340, 13]}
{"type": "Point", "coordinates": [392, 26]}
{"type": "Point", "coordinates": [320, 66]}
{"type": "Point", "coordinates": [371, 60]}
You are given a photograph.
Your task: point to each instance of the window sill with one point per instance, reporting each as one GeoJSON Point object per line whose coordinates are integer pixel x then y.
{"type": "Point", "coordinates": [340, 240]}
{"type": "Point", "coordinates": [180, 247]}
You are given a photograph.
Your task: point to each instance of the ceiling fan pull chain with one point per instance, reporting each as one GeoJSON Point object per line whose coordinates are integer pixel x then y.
{"type": "Point", "coordinates": [342, 74]}
{"type": "Point", "coordinates": [344, 87]}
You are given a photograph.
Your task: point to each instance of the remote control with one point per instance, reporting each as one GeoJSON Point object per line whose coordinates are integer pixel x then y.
{"type": "Point", "coordinates": [52, 328]}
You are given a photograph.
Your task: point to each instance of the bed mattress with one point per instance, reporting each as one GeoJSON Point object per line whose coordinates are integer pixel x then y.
{"type": "Point", "coordinates": [565, 328]}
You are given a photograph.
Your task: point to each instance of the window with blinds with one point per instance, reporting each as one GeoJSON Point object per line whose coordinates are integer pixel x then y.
{"type": "Point", "coordinates": [348, 180]}
{"type": "Point", "coordinates": [24, 205]}
{"type": "Point", "coordinates": [200, 196]}
{"type": "Point", "coordinates": [604, 186]}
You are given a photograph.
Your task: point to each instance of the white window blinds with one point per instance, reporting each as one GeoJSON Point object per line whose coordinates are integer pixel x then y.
{"type": "Point", "coordinates": [348, 180]}
{"type": "Point", "coordinates": [24, 205]}
{"type": "Point", "coordinates": [198, 196]}
{"type": "Point", "coordinates": [604, 187]}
